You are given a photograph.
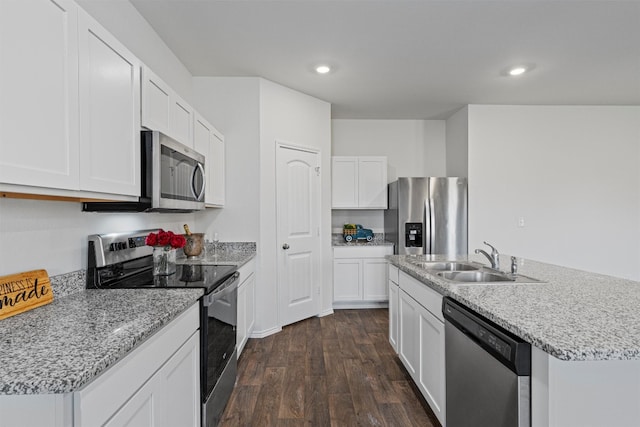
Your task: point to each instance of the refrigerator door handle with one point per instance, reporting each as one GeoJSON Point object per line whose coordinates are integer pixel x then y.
{"type": "Point", "coordinates": [427, 232]}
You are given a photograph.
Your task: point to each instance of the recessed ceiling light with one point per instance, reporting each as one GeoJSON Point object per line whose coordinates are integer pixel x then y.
{"type": "Point", "coordinates": [323, 69]}
{"type": "Point", "coordinates": [518, 70]}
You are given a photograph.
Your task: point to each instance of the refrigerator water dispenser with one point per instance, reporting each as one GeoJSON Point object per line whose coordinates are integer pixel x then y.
{"type": "Point", "coordinates": [413, 234]}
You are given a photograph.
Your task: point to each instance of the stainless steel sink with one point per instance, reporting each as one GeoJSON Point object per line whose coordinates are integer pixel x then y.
{"type": "Point", "coordinates": [446, 266]}
{"type": "Point", "coordinates": [475, 276]}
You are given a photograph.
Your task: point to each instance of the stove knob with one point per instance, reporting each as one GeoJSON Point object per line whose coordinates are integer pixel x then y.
{"type": "Point", "coordinates": [112, 247]}
{"type": "Point", "coordinates": [122, 245]}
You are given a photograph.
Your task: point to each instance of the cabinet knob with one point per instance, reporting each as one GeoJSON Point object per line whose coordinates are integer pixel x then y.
{"type": "Point", "coordinates": [285, 246]}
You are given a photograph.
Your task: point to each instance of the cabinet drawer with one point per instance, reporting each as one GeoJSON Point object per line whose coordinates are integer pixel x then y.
{"type": "Point", "coordinates": [393, 273]}
{"type": "Point", "coordinates": [362, 251]}
{"type": "Point", "coordinates": [427, 297]}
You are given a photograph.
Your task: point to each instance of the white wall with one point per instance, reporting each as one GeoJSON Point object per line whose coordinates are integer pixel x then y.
{"type": "Point", "coordinates": [457, 143]}
{"type": "Point", "coordinates": [572, 173]}
{"type": "Point", "coordinates": [290, 116]}
{"type": "Point", "coordinates": [412, 148]}
{"type": "Point", "coordinates": [253, 114]}
{"type": "Point", "coordinates": [231, 104]}
{"type": "Point", "coordinates": [53, 235]}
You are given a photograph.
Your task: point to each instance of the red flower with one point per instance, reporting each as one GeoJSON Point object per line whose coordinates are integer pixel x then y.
{"type": "Point", "coordinates": [178, 241]}
{"type": "Point", "coordinates": [151, 240]}
{"type": "Point", "coordinates": [165, 238]}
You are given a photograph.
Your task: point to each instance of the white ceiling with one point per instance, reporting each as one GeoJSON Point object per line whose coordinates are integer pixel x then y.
{"type": "Point", "coordinates": [421, 59]}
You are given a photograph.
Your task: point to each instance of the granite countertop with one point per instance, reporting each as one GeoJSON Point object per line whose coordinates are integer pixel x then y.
{"type": "Point", "coordinates": [226, 253]}
{"type": "Point", "coordinates": [378, 240]}
{"type": "Point", "coordinates": [575, 315]}
{"type": "Point", "coordinates": [59, 347]}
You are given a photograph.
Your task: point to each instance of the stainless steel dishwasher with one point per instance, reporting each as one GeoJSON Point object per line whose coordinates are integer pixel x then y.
{"type": "Point", "coordinates": [487, 371]}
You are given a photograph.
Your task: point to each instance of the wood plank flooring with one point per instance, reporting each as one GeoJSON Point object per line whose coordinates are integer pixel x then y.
{"type": "Point", "coordinates": [338, 370]}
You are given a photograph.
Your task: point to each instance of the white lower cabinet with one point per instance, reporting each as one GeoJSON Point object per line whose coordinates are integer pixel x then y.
{"type": "Point", "coordinates": [158, 384]}
{"type": "Point", "coordinates": [246, 304]}
{"type": "Point", "coordinates": [421, 340]}
{"type": "Point", "coordinates": [360, 276]}
{"type": "Point", "coordinates": [394, 307]}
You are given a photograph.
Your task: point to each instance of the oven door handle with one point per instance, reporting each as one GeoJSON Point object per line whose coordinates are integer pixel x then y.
{"type": "Point", "coordinates": [226, 288]}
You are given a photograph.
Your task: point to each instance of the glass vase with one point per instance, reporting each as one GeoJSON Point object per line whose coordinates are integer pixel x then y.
{"type": "Point", "coordinates": [164, 261]}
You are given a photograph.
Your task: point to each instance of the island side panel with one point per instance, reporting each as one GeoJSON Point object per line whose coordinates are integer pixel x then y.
{"type": "Point", "coordinates": [584, 393]}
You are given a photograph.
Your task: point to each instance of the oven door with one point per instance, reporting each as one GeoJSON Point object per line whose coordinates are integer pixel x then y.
{"type": "Point", "coordinates": [219, 358]}
{"type": "Point", "coordinates": [178, 180]}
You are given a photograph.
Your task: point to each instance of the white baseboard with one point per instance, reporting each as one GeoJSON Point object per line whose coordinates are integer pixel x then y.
{"type": "Point", "coordinates": [326, 312]}
{"type": "Point", "coordinates": [337, 305]}
{"type": "Point", "coordinates": [265, 333]}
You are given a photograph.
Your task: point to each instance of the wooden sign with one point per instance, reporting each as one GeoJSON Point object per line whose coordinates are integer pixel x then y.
{"type": "Point", "coordinates": [24, 291]}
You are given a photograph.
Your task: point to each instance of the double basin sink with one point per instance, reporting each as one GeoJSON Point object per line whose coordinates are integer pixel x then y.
{"type": "Point", "coordinates": [470, 272]}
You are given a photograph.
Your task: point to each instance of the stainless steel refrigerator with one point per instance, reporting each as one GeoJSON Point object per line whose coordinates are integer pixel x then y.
{"type": "Point", "coordinates": [427, 216]}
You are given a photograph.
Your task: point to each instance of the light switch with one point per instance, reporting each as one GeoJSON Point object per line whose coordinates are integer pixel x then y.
{"type": "Point", "coordinates": [521, 221]}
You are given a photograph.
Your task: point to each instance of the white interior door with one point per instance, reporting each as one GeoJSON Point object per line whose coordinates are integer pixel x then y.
{"type": "Point", "coordinates": [298, 245]}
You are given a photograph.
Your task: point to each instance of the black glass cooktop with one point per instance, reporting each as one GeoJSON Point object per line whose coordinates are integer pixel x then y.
{"type": "Point", "coordinates": [208, 277]}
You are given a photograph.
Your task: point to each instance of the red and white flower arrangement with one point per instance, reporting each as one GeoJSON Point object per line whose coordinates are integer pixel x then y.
{"type": "Point", "coordinates": [166, 239]}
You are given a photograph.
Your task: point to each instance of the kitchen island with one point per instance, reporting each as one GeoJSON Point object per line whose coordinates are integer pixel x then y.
{"type": "Point", "coordinates": [584, 329]}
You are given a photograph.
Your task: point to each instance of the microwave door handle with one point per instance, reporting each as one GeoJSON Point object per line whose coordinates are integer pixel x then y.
{"type": "Point", "coordinates": [194, 190]}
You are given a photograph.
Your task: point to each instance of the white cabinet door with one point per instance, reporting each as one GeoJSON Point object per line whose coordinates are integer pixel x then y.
{"type": "Point", "coordinates": [359, 182]}
{"type": "Point", "coordinates": [241, 326]}
{"type": "Point", "coordinates": [431, 379]}
{"type": "Point", "coordinates": [109, 112]}
{"type": "Point", "coordinates": [142, 410]}
{"type": "Point", "coordinates": [344, 182]}
{"type": "Point", "coordinates": [156, 102]}
{"type": "Point", "coordinates": [181, 121]}
{"type": "Point", "coordinates": [163, 110]}
{"type": "Point", "coordinates": [251, 305]}
{"type": "Point", "coordinates": [217, 193]}
{"type": "Point", "coordinates": [209, 142]}
{"type": "Point", "coordinates": [181, 386]}
{"type": "Point", "coordinates": [246, 304]}
{"type": "Point", "coordinates": [409, 334]}
{"type": "Point", "coordinates": [39, 93]}
{"type": "Point", "coordinates": [394, 295]}
{"type": "Point", "coordinates": [372, 182]}
{"type": "Point", "coordinates": [375, 286]}
{"type": "Point", "coordinates": [347, 280]}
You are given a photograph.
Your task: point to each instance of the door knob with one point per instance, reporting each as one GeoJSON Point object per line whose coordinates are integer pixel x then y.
{"type": "Point", "coordinates": [285, 246]}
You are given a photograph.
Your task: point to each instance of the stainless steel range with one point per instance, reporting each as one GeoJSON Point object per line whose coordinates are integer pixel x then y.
{"type": "Point", "coordinates": [122, 260]}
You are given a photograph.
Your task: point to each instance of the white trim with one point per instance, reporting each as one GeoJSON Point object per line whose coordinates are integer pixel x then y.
{"type": "Point", "coordinates": [265, 333]}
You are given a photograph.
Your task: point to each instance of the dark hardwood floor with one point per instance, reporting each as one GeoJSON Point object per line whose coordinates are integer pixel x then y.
{"type": "Point", "coordinates": [338, 370]}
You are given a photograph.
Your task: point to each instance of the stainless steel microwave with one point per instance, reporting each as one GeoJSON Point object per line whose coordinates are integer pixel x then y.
{"type": "Point", "coordinates": [172, 178]}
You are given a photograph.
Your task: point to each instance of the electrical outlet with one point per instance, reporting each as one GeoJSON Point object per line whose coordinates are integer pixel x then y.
{"type": "Point", "coordinates": [521, 222]}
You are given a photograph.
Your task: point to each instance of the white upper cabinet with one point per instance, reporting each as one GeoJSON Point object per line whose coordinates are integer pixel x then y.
{"type": "Point", "coordinates": [210, 142]}
{"type": "Point", "coordinates": [359, 182]}
{"type": "Point", "coordinates": [109, 112]}
{"type": "Point", "coordinates": [163, 110]}
{"type": "Point", "coordinates": [39, 93]}
{"type": "Point", "coordinates": [156, 102]}
{"type": "Point", "coordinates": [216, 194]}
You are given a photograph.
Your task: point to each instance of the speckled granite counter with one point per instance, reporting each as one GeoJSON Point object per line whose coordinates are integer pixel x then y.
{"type": "Point", "coordinates": [378, 240]}
{"type": "Point", "coordinates": [575, 315]}
{"type": "Point", "coordinates": [59, 347]}
{"type": "Point", "coordinates": [226, 253]}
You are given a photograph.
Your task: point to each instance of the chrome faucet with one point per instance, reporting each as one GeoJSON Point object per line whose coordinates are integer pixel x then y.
{"type": "Point", "coordinates": [494, 258]}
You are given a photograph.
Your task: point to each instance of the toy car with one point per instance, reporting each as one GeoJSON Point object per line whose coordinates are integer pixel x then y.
{"type": "Point", "coordinates": [355, 231]}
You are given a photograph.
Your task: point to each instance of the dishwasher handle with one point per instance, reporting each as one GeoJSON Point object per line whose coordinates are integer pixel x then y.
{"type": "Point", "coordinates": [510, 350]}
